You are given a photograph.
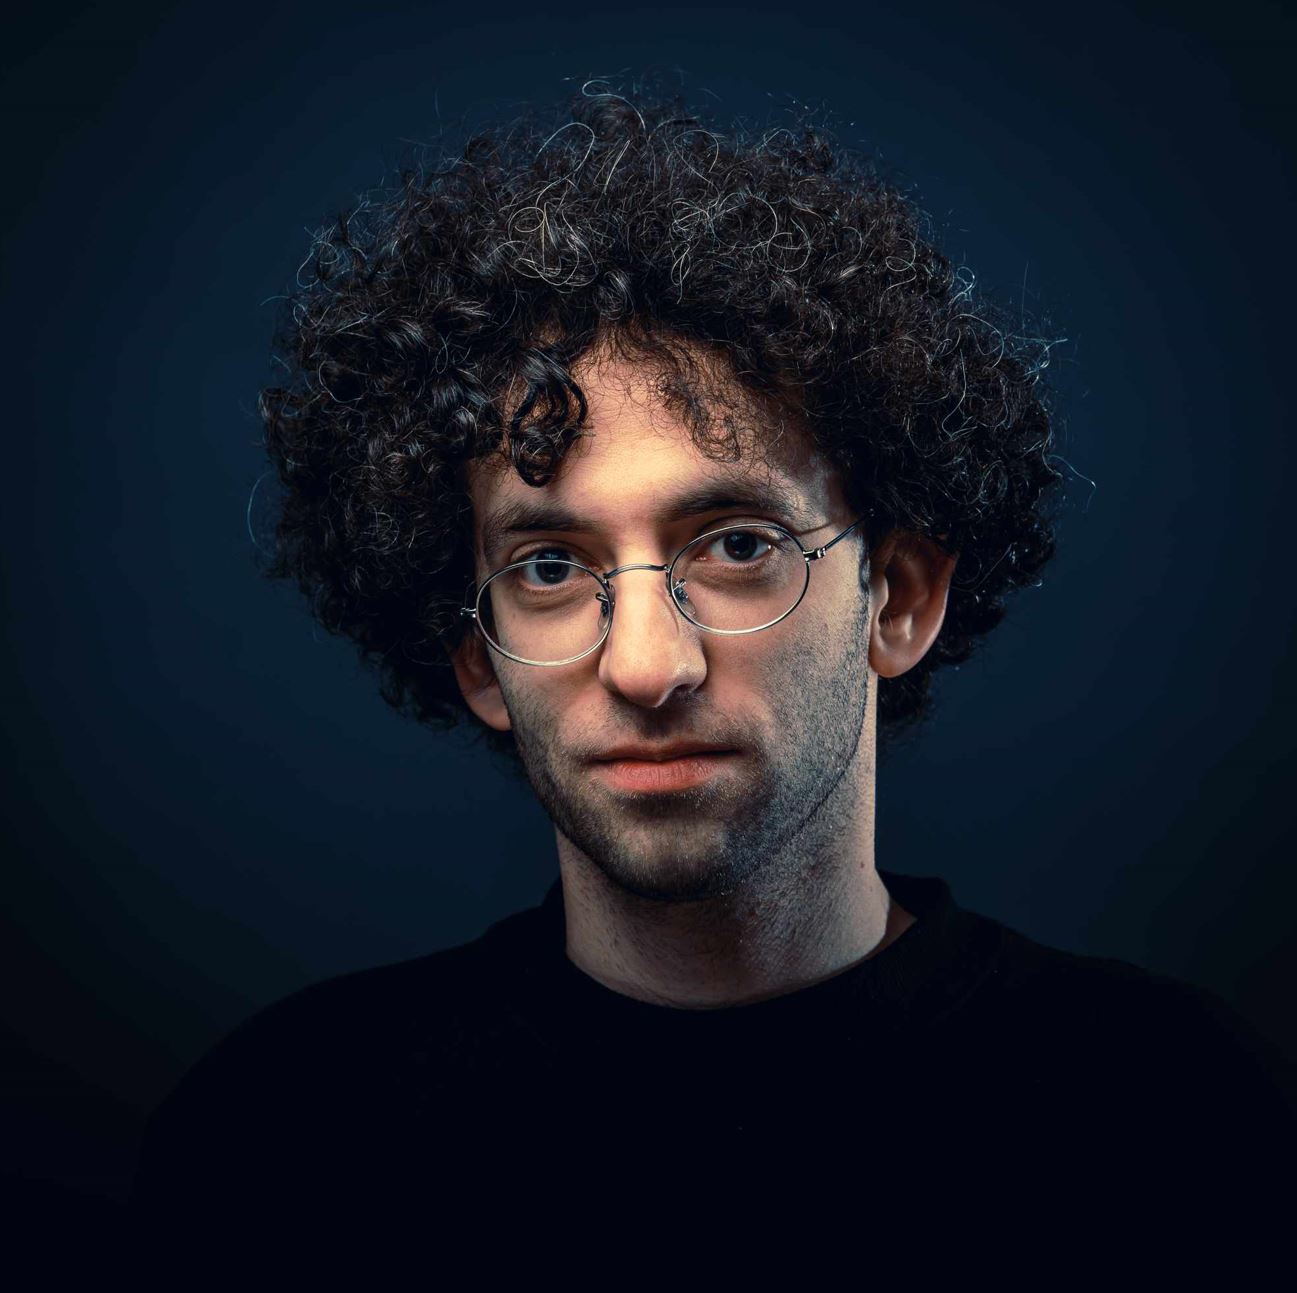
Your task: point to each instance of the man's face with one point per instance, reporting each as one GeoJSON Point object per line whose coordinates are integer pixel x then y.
{"type": "Point", "coordinates": [789, 700]}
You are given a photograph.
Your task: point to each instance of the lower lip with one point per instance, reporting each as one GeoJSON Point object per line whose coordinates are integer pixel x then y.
{"type": "Point", "coordinates": [670, 774]}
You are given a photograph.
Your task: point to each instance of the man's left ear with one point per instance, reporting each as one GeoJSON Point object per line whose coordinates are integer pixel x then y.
{"type": "Point", "coordinates": [909, 580]}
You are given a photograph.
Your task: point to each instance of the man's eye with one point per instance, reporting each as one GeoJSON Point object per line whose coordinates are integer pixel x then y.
{"type": "Point", "coordinates": [741, 547]}
{"type": "Point", "coordinates": [556, 552]}
{"type": "Point", "coordinates": [548, 553]}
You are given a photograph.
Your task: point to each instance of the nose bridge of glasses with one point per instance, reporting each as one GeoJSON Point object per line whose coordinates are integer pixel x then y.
{"type": "Point", "coordinates": [638, 566]}
{"type": "Point", "coordinates": [675, 596]}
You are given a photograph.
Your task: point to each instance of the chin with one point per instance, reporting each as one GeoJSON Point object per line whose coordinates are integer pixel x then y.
{"type": "Point", "coordinates": [674, 881]}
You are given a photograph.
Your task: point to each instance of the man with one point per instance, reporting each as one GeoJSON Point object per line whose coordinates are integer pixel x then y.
{"type": "Point", "coordinates": [655, 452]}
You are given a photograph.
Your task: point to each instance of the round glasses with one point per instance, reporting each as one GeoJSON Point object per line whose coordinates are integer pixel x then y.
{"type": "Point", "coordinates": [738, 579]}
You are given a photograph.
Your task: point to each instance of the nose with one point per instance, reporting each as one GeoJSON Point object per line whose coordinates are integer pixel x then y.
{"type": "Point", "coordinates": [651, 650]}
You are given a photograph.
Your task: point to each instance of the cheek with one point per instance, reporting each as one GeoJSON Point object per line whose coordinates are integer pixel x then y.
{"type": "Point", "coordinates": [776, 660]}
{"type": "Point", "coordinates": [843, 611]}
{"type": "Point", "coordinates": [554, 714]}
{"type": "Point", "coordinates": [524, 700]}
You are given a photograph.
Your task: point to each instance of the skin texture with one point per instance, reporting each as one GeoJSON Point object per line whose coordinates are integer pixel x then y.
{"type": "Point", "coordinates": [761, 880]}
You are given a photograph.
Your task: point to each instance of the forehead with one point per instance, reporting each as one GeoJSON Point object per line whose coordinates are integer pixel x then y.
{"type": "Point", "coordinates": [636, 460]}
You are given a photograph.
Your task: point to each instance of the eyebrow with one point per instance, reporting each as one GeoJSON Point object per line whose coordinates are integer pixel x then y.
{"type": "Point", "coordinates": [526, 515]}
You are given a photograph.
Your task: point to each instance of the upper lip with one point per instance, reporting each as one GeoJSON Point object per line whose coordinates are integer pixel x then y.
{"type": "Point", "coordinates": [657, 753]}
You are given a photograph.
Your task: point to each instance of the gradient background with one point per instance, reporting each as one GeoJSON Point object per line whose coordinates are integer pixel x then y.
{"type": "Point", "coordinates": [208, 806]}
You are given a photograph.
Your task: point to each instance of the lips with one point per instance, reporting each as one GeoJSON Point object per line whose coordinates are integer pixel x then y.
{"type": "Point", "coordinates": [646, 776]}
{"type": "Point", "coordinates": [659, 754]}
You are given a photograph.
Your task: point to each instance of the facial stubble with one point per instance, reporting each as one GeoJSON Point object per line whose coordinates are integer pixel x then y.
{"type": "Point", "coordinates": [757, 827]}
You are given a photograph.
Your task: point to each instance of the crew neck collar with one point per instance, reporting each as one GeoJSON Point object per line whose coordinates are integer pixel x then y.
{"type": "Point", "coordinates": [929, 967]}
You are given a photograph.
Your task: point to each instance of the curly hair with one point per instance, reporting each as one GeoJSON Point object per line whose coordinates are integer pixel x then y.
{"type": "Point", "coordinates": [439, 321]}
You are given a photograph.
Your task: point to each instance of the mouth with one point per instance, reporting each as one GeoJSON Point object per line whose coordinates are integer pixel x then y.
{"type": "Point", "coordinates": [678, 773]}
{"type": "Point", "coordinates": [658, 753]}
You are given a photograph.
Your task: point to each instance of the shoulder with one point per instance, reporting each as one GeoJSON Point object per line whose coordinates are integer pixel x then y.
{"type": "Point", "coordinates": [337, 1017]}
{"type": "Point", "coordinates": [365, 1013]}
{"type": "Point", "coordinates": [369, 1042]}
{"type": "Point", "coordinates": [1144, 1028]}
{"type": "Point", "coordinates": [1162, 1099]}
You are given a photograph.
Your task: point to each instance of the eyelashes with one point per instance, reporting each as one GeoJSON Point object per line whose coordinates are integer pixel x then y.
{"type": "Point", "coordinates": [562, 552]}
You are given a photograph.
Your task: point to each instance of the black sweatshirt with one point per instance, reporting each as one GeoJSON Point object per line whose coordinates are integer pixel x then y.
{"type": "Point", "coordinates": [966, 1096]}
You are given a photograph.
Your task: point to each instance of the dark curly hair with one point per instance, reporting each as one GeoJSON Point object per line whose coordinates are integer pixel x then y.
{"type": "Point", "coordinates": [441, 319]}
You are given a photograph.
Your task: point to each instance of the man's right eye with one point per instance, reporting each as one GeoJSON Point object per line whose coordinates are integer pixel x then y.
{"type": "Point", "coordinates": [550, 553]}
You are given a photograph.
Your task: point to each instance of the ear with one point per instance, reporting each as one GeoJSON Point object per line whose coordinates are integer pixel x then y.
{"type": "Point", "coordinates": [481, 688]}
{"type": "Point", "coordinates": [909, 580]}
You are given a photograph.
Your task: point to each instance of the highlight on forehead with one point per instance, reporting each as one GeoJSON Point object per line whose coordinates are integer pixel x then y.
{"type": "Point", "coordinates": [730, 416]}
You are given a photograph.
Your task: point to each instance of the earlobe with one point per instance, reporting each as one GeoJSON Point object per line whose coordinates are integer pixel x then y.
{"type": "Point", "coordinates": [478, 683]}
{"type": "Point", "coordinates": [909, 583]}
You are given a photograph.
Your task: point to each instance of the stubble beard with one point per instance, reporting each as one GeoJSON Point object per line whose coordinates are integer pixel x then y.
{"type": "Point", "coordinates": [752, 834]}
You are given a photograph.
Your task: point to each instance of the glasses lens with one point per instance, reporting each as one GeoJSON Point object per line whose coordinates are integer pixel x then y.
{"type": "Point", "coordinates": [735, 580]}
{"type": "Point", "coordinates": [741, 578]}
{"type": "Point", "coordinates": [543, 611]}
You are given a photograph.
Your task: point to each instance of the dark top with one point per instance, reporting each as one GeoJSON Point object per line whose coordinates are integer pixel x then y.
{"type": "Point", "coordinates": [494, 1102]}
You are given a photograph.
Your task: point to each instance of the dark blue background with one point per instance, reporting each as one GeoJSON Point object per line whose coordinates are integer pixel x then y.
{"type": "Point", "coordinates": [210, 806]}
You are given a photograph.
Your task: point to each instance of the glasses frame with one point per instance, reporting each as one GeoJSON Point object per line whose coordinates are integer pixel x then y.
{"type": "Point", "coordinates": [605, 579]}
